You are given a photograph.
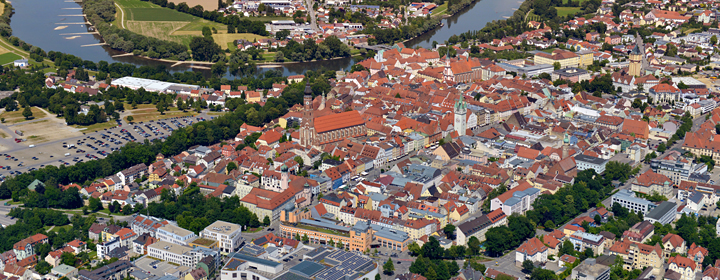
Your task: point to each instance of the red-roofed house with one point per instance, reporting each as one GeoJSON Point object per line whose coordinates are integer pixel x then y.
{"type": "Point", "coordinates": [651, 182]}
{"type": "Point", "coordinates": [684, 266]}
{"type": "Point", "coordinates": [533, 250]}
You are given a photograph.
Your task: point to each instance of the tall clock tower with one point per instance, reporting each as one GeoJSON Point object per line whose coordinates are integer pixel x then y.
{"type": "Point", "coordinates": [307, 129]}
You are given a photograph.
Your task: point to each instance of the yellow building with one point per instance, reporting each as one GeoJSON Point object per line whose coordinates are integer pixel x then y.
{"type": "Point", "coordinates": [416, 214]}
{"type": "Point", "coordinates": [565, 58]}
{"type": "Point", "coordinates": [586, 58]}
{"type": "Point", "coordinates": [460, 213]}
{"type": "Point", "coordinates": [635, 62]}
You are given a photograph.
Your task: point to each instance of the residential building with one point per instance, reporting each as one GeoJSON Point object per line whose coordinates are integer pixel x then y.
{"type": "Point", "coordinates": [226, 234]}
{"type": "Point", "coordinates": [590, 269]}
{"type": "Point", "coordinates": [533, 250]}
{"type": "Point", "coordinates": [479, 226]}
{"type": "Point", "coordinates": [175, 234]}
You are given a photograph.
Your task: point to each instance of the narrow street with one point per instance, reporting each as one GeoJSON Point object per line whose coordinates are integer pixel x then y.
{"type": "Point", "coordinates": [311, 11]}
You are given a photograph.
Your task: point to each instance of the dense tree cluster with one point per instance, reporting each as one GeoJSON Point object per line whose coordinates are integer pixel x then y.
{"type": "Point", "coordinates": [193, 211]}
{"type": "Point", "coordinates": [589, 189]}
{"type": "Point", "coordinates": [430, 263]}
{"type": "Point", "coordinates": [503, 238]}
{"type": "Point", "coordinates": [51, 196]}
{"type": "Point", "coordinates": [331, 47]}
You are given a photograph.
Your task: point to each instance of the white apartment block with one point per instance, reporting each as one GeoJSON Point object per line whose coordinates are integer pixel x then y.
{"type": "Point", "coordinates": [228, 235]}
{"type": "Point", "coordinates": [174, 234]}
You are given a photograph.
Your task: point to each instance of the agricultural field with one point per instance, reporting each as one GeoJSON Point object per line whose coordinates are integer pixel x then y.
{"type": "Point", "coordinates": [163, 30]}
{"type": "Point", "coordinates": [156, 14]}
{"type": "Point", "coordinates": [208, 5]}
{"type": "Point", "coordinates": [166, 24]}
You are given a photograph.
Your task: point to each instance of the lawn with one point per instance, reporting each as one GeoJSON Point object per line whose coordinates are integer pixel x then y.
{"type": "Point", "coordinates": [96, 127]}
{"type": "Point", "coordinates": [8, 57]}
{"type": "Point", "coordinates": [564, 11]}
{"type": "Point", "coordinates": [440, 10]}
{"type": "Point", "coordinates": [128, 106]}
{"type": "Point", "coordinates": [16, 116]}
{"type": "Point", "coordinates": [156, 14]}
{"type": "Point", "coordinates": [152, 114]}
{"type": "Point", "coordinates": [57, 228]}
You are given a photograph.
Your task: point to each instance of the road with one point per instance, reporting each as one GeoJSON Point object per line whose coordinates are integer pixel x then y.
{"type": "Point", "coordinates": [53, 152]}
{"type": "Point", "coordinates": [311, 11]}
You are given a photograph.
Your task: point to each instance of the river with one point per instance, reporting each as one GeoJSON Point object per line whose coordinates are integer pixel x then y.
{"type": "Point", "coordinates": [474, 17]}
{"type": "Point", "coordinates": [57, 26]}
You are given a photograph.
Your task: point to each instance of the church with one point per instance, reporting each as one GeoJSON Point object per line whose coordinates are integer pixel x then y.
{"type": "Point", "coordinates": [328, 128]}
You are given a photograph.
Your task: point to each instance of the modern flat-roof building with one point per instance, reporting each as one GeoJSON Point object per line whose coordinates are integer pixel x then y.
{"type": "Point", "coordinates": [585, 162]}
{"type": "Point", "coordinates": [571, 74]}
{"type": "Point", "coordinates": [677, 170]}
{"type": "Point", "coordinates": [180, 254]}
{"type": "Point", "coordinates": [151, 85]}
{"type": "Point", "coordinates": [589, 269]}
{"type": "Point", "coordinates": [628, 200]}
{"type": "Point", "coordinates": [322, 263]}
{"type": "Point", "coordinates": [174, 234]}
{"type": "Point", "coordinates": [227, 234]}
{"type": "Point", "coordinates": [664, 213]}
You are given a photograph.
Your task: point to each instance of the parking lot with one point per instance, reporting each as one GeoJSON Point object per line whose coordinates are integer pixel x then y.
{"type": "Point", "coordinates": [89, 146]}
{"type": "Point", "coordinates": [158, 267]}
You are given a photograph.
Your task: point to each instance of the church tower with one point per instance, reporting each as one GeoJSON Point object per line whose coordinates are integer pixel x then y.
{"type": "Point", "coordinates": [460, 116]}
{"type": "Point", "coordinates": [447, 72]}
{"type": "Point", "coordinates": [307, 129]}
{"type": "Point", "coordinates": [284, 177]}
{"type": "Point", "coordinates": [637, 57]}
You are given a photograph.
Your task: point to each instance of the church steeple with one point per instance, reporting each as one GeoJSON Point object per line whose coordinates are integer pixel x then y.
{"type": "Point", "coordinates": [307, 129]}
{"type": "Point", "coordinates": [447, 73]}
{"type": "Point", "coordinates": [460, 124]}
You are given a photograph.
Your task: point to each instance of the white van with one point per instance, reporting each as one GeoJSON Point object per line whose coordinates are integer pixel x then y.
{"type": "Point", "coordinates": [32, 146]}
{"type": "Point", "coordinates": [67, 154]}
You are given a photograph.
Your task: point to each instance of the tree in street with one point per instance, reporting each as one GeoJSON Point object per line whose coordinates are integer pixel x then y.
{"type": "Point", "coordinates": [388, 267]}
{"type": "Point", "coordinates": [266, 221]}
{"type": "Point", "coordinates": [449, 230]}
{"type": "Point", "coordinates": [528, 266]}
